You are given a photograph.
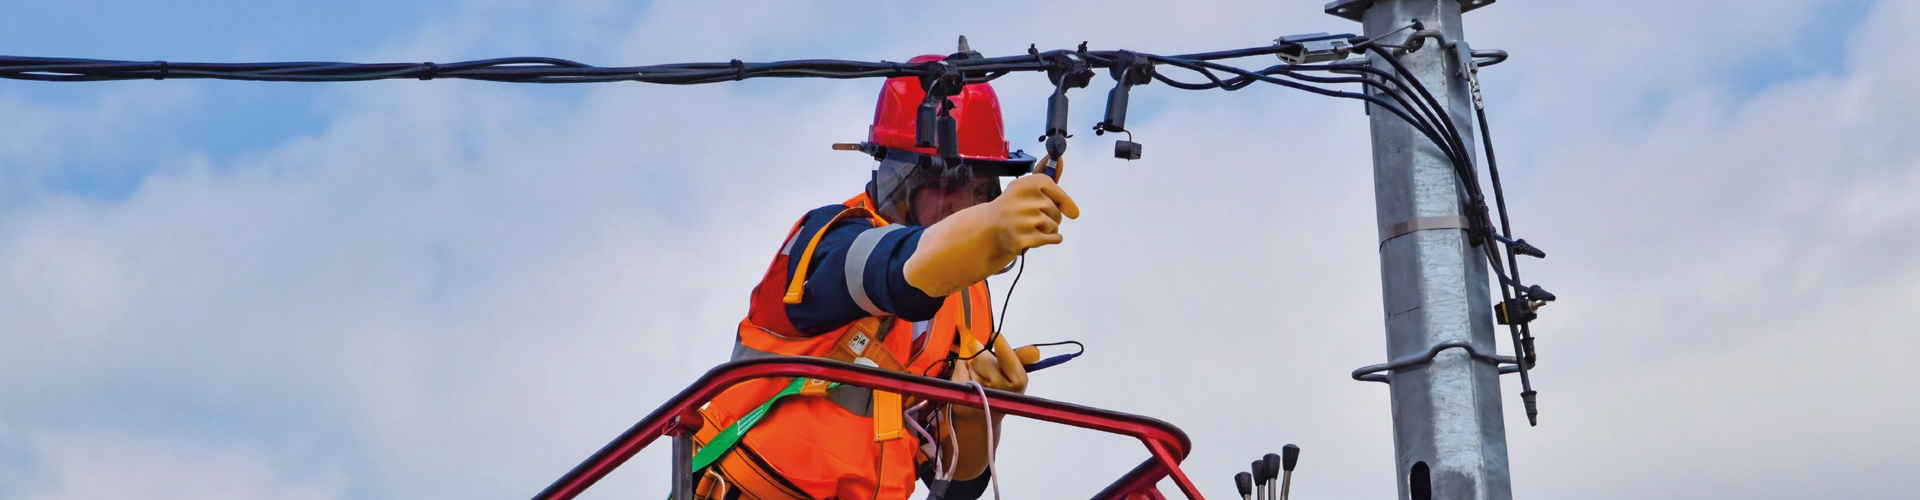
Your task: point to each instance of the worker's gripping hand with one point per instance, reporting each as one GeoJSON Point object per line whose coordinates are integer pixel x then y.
{"type": "Point", "coordinates": [972, 244]}
{"type": "Point", "coordinates": [999, 370]}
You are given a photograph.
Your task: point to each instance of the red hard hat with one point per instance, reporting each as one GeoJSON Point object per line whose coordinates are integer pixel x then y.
{"type": "Point", "coordinates": [976, 111]}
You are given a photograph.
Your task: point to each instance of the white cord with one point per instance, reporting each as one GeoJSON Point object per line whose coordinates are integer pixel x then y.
{"type": "Point", "coordinates": [988, 408]}
{"type": "Point", "coordinates": [953, 464]}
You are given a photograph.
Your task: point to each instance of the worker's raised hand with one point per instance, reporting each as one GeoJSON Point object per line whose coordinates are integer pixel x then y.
{"type": "Point", "coordinates": [976, 242]}
{"type": "Point", "coordinates": [1030, 212]}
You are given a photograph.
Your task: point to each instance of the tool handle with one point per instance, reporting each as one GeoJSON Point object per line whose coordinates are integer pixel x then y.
{"type": "Point", "coordinates": [1244, 481]}
{"type": "Point", "coordinates": [1290, 456]}
{"type": "Point", "coordinates": [1030, 357]}
{"type": "Point", "coordinates": [1051, 167]}
{"type": "Point", "coordinates": [1051, 362]}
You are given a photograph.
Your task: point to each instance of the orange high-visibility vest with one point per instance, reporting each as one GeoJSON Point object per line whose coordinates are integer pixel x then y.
{"type": "Point", "coordinates": [846, 442]}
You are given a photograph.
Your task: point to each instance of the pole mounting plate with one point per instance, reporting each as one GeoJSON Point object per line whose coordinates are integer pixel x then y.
{"type": "Point", "coordinates": [1354, 9]}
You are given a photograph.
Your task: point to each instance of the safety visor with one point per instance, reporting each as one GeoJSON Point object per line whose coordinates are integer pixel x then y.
{"type": "Point", "coordinates": [1016, 164]}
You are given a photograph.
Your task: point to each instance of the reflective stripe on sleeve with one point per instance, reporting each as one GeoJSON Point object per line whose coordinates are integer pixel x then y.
{"type": "Point", "coordinates": [788, 248]}
{"type": "Point", "coordinates": [857, 266]}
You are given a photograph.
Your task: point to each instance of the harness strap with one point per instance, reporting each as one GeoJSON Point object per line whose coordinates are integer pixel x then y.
{"type": "Point", "coordinates": [729, 437]}
{"type": "Point", "coordinates": [741, 475]}
{"type": "Point", "coordinates": [796, 288]}
{"type": "Point", "coordinates": [861, 345]}
{"type": "Point", "coordinates": [859, 348]}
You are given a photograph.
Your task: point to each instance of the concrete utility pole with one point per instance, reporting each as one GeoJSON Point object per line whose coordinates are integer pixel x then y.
{"type": "Point", "coordinates": [1449, 437]}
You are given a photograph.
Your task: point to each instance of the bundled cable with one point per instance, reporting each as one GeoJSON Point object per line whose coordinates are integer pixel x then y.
{"type": "Point", "coordinates": [553, 70]}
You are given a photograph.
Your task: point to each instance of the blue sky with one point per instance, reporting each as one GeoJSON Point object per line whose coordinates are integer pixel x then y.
{"type": "Point", "coordinates": [459, 289]}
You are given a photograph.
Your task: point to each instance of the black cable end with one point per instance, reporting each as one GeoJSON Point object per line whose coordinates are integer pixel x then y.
{"type": "Point", "coordinates": [1520, 246]}
{"type": "Point", "coordinates": [1533, 409]}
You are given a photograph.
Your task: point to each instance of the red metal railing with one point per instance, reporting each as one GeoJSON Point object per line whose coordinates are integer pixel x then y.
{"type": "Point", "coordinates": [1167, 443]}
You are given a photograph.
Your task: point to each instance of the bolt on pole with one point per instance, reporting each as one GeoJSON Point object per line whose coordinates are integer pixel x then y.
{"type": "Point", "coordinates": [1448, 429]}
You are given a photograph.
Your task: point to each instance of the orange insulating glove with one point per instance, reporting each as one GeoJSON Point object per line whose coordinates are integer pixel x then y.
{"type": "Point", "coordinates": [976, 242]}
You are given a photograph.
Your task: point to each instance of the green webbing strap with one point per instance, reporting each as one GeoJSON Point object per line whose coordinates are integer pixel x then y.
{"type": "Point", "coordinates": [730, 436]}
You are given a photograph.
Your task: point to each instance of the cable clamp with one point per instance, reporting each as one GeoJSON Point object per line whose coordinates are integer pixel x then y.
{"type": "Point", "coordinates": [739, 70]}
{"type": "Point", "coordinates": [433, 70]}
{"type": "Point", "coordinates": [163, 70]}
{"type": "Point", "coordinates": [1312, 48]}
{"type": "Point", "coordinates": [1469, 71]}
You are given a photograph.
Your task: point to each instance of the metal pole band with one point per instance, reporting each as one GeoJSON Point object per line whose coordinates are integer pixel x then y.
{"type": "Point", "coordinates": [1422, 224]}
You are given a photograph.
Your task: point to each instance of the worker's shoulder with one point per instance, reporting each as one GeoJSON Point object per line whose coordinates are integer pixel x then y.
{"type": "Point", "coordinates": [820, 216]}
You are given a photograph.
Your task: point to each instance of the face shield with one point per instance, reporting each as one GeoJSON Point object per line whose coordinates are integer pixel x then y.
{"type": "Point", "coordinates": [900, 176]}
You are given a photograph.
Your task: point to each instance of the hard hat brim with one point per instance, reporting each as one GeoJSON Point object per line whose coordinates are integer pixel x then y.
{"type": "Point", "coordinates": [1016, 164]}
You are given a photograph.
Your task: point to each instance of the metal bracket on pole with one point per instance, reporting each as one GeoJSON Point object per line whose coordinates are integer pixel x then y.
{"type": "Point", "coordinates": [1371, 373]}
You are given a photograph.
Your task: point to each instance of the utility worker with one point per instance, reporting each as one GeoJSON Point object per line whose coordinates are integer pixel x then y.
{"type": "Point", "coordinates": [893, 278]}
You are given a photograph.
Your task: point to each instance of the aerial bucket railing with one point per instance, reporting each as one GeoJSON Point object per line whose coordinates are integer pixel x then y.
{"type": "Point", "coordinates": [677, 418]}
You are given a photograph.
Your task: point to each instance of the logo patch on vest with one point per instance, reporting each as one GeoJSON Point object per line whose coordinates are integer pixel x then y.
{"type": "Point", "coordinates": [858, 344]}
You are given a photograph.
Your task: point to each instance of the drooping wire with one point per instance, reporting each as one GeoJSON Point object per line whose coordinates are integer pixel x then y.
{"type": "Point", "coordinates": [1022, 271]}
{"type": "Point", "coordinates": [1520, 331]}
{"type": "Point", "coordinates": [1002, 320]}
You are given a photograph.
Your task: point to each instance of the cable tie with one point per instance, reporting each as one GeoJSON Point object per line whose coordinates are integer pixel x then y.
{"type": "Point", "coordinates": [163, 70]}
{"type": "Point", "coordinates": [739, 70]}
{"type": "Point", "coordinates": [433, 70]}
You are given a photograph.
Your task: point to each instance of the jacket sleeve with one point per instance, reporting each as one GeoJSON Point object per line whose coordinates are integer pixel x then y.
{"type": "Point", "coordinates": [857, 271]}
